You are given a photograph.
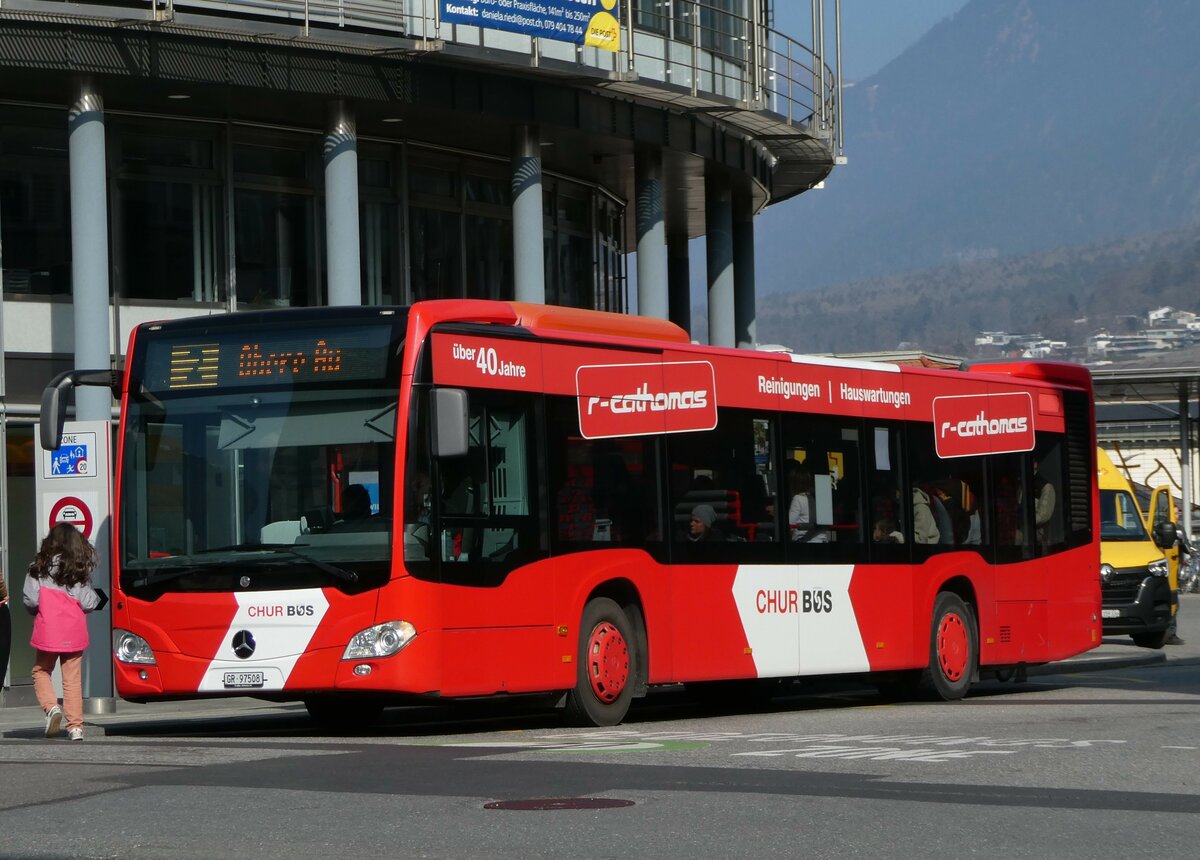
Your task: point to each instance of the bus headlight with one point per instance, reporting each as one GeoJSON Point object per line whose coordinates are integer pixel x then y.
{"type": "Point", "coordinates": [131, 648]}
{"type": "Point", "coordinates": [382, 640]}
{"type": "Point", "coordinates": [1106, 572]}
{"type": "Point", "coordinates": [1159, 568]}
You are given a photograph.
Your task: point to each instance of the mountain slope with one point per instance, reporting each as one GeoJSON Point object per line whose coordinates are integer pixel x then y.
{"type": "Point", "coordinates": [1011, 127]}
{"type": "Point", "coordinates": [1065, 294]}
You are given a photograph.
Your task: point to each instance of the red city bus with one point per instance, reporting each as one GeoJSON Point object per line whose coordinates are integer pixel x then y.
{"type": "Point", "coordinates": [359, 506]}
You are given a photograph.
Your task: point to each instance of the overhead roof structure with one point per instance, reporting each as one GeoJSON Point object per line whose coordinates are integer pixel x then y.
{"type": "Point", "coordinates": [1162, 393]}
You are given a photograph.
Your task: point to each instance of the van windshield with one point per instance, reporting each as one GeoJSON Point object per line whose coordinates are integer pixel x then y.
{"type": "Point", "coordinates": [1120, 519]}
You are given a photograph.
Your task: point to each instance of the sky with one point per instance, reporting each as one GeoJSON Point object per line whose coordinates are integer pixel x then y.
{"type": "Point", "coordinates": [874, 32]}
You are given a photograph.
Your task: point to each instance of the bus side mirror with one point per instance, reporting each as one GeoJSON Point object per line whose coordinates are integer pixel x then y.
{"type": "Point", "coordinates": [54, 401]}
{"type": "Point", "coordinates": [449, 422]}
{"type": "Point", "coordinates": [1165, 535]}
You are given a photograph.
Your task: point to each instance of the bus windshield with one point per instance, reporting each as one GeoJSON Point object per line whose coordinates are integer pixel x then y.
{"type": "Point", "coordinates": [259, 477]}
{"type": "Point", "coordinates": [1119, 517]}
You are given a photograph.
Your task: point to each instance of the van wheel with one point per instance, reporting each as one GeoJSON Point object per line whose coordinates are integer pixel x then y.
{"type": "Point", "coordinates": [605, 672]}
{"type": "Point", "coordinates": [953, 647]}
{"type": "Point", "coordinates": [1151, 640]}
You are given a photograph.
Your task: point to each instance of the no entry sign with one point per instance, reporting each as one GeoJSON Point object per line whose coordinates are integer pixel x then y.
{"type": "Point", "coordinates": [76, 512]}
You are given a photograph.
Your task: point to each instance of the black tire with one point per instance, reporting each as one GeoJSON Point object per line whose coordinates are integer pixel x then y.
{"type": "Point", "coordinates": [343, 713]}
{"type": "Point", "coordinates": [606, 669]}
{"type": "Point", "coordinates": [1151, 640]}
{"type": "Point", "coordinates": [953, 647]}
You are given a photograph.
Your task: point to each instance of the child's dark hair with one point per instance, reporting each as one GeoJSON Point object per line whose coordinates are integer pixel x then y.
{"type": "Point", "coordinates": [76, 557]}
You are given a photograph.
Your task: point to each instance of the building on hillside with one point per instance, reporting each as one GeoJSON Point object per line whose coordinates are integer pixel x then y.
{"type": "Point", "coordinates": [171, 159]}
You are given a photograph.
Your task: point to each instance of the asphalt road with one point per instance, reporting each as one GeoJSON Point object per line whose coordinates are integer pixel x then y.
{"type": "Point", "coordinates": [1101, 758]}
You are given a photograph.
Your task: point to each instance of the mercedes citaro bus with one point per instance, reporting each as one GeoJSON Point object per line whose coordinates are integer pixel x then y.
{"type": "Point", "coordinates": [354, 507]}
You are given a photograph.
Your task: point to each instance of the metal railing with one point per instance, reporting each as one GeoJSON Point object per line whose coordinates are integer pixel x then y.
{"type": "Point", "coordinates": [699, 49]}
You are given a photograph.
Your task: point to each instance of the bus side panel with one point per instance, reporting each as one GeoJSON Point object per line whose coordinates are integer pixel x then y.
{"type": "Point", "coordinates": [707, 636]}
{"type": "Point", "coordinates": [883, 608]}
{"type": "Point", "coordinates": [580, 575]}
{"type": "Point", "coordinates": [1073, 583]}
{"type": "Point", "coordinates": [482, 661]}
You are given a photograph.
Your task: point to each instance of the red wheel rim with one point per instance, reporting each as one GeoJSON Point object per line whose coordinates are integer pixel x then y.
{"type": "Point", "coordinates": [607, 662]}
{"type": "Point", "coordinates": [953, 646]}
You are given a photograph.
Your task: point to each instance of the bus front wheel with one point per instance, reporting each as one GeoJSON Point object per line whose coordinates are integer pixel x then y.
{"type": "Point", "coordinates": [606, 666]}
{"type": "Point", "coordinates": [953, 647]}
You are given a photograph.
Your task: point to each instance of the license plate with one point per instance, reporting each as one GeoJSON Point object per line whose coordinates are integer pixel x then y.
{"type": "Point", "coordinates": [1110, 613]}
{"type": "Point", "coordinates": [242, 680]}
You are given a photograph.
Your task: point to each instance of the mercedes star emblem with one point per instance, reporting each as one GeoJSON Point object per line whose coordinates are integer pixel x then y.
{"type": "Point", "coordinates": [243, 644]}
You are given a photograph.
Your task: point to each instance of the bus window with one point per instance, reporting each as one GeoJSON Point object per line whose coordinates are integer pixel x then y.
{"type": "Point", "coordinates": [723, 477]}
{"type": "Point", "coordinates": [487, 499]}
{"type": "Point", "coordinates": [946, 494]}
{"type": "Point", "coordinates": [604, 491]}
{"type": "Point", "coordinates": [888, 509]}
{"type": "Point", "coordinates": [418, 486]}
{"type": "Point", "coordinates": [1049, 500]}
{"type": "Point", "coordinates": [1011, 533]}
{"type": "Point", "coordinates": [822, 486]}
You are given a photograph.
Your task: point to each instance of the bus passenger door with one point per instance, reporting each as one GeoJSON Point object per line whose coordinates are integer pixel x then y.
{"type": "Point", "coordinates": [496, 613]}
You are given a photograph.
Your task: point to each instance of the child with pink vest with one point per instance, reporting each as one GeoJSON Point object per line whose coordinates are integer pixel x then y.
{"type": "Point", "coordinates": [58, 591]}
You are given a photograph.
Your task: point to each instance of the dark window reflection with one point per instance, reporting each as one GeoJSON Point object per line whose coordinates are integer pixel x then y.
{"type": "Point", "coordinates": [274, 249]}
{"type": "Point", "coordinates": [169, 235]}
{"type": "Point", "coordinates": [435, 254]}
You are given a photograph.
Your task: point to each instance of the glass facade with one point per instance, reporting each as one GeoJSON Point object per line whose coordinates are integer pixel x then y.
{"type": "Point", "coordinates": [206, 216]}
{"type": "Point", "coordinates": [232, 217]}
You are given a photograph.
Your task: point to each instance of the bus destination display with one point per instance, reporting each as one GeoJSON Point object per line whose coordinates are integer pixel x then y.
{"type": "Point", "coordinates": [238, 358]}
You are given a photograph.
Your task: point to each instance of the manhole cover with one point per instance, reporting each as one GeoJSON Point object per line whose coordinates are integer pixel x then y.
{"type": "Point", "coordinates": [559, 803]}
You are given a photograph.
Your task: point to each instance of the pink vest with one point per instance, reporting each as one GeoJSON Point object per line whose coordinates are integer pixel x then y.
{"type": "Point", "coordinates": [59, 627]}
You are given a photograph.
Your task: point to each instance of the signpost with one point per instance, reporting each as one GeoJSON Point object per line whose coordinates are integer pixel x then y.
{"type": "Point", "coordinates": [73, 486]}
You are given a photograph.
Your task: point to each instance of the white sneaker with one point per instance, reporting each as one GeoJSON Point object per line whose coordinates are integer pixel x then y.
{"type": "Point", "coordinates": [75, 734]}
{"type": "Point", "coordinates": [53, 721]}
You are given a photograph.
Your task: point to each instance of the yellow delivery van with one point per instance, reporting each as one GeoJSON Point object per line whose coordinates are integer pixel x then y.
{"type": "Point", "coordinates": [1138, 583]}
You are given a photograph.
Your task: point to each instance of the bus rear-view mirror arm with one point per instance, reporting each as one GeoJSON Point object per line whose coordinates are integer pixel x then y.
{"type": "Point", "coordinates": [449, 422]}
{"type": "Point", "coordinates": [54, 400]}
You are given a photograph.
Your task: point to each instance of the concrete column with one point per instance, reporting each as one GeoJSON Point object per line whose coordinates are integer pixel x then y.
{"type": "Point", "coordinates": [679, 280]}
{"type": "Point", "coordinates": [90, 304]}
{"type": "Point", "coordinates": [718, 214]}
{"type": "Point", "coordinates": [529, 265]}
{"type": "Point", "coordinates": [89, 245]}
{"type": "Point", "coordinates": [651, 235]}
{"type": "Point", "coordinates": [744, 310]}
{"type": "Point", "coordinates": [341, 207]}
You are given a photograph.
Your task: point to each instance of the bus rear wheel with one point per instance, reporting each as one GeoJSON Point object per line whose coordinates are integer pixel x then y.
{"type": "Point", "coordinates": [953, 647]}
{"type": "Point", "coordinates": [606, 666]}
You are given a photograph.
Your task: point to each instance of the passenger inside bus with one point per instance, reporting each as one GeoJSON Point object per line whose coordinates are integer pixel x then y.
{"type": "Point", "coordinates": [886, 531]}
{"type": "Point", "coordinates": [925, 528]}
{"type": "Point", "coordinates": [702, 525]}
{"type": "Point", "coordinates": [802, 506]}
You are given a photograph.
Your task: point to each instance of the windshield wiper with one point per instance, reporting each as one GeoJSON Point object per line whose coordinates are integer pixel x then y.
{"type": "Point", "coordinates": [173, 573]}
{"type": "Point", "coordinates": [332, 569]}
{"type": "Point", "coordinates": [323, 566]}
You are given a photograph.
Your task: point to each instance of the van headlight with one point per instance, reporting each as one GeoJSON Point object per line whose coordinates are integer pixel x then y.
{"type": "Point", "coordinates": [382, 640]}
{"type": "Point", "coordinates": [1159, 568]}
{"type": "Point", "coordinates": [131, 648]}
{"type": "Point", "coordinates": [1106, 572]}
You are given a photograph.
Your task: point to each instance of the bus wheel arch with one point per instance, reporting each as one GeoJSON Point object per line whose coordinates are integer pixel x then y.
{"type": "Point", "coordinates": [609, 662]}
{"type": "Point", "coordinates": [953, 645]}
